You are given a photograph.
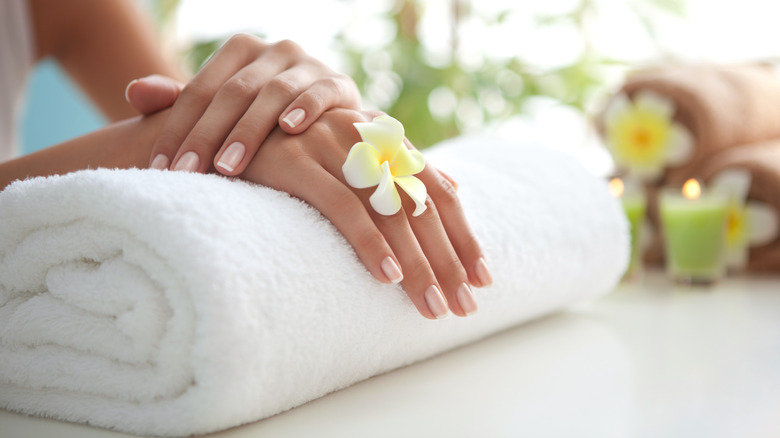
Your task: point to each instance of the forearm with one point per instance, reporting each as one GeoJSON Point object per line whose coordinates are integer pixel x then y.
{"type": "Point", "coordinates": [120, 145]}
{"type": "Point", "coordinates": [103, 45]}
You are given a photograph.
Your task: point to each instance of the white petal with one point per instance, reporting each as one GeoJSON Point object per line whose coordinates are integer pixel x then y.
{"type": "Point", "coordinates": [733, 182]}
{"type": "Point", "coordinates": [619, 105]}
{"type": "Point", "coordinates": [385, 199]}
{"type": "Point", "coordinates": [385, 133]}
{"type": "Point", "coordinates": [652, 101]}
{"type": "Point", "coordinates": [407, 162]}
{"type": "Point", "coordinates": [762, 223]}
{"type": "Point", "coordinates": [680, 148]}
{"type": "Point", "coordinates": [737, 258]}
{"type": "Point", "coordinates": [416, 190]}
{"type": "Point", "coordinates": [362, 168]}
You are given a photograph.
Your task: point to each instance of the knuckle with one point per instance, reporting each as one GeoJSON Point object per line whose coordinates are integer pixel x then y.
{"type": "Point", "coordinates": [369, 238]}
{"type": "Point", "coordinates": [241, 40]}
{"type": "Point", "coordinates": [238, 87]}
{"type": "Point", "coordinates": [346, 116]}
{"type": "Point", "coordinates": [419, 269]}
{"type": "Point", "coordinates": [312, 101]}
{"type": "Point", "coordinates": [250, 130]}
{"type": "Point", "coordinates": [197, 140]}
{"type": "Point", "coordinates": [289, 47]}
{"type": "Point", "coordinates": [453, 264]}
{"type": "Point", "coordinates": [446, 195]}
{"type": "Point", "coordinates": [430, 217]}
{"type": "Point", "coordinates": [284, 87]}
{"type": "Point", "coordinates": [197, 92]}
{"type": "Point", "coordinates": [167, 142]}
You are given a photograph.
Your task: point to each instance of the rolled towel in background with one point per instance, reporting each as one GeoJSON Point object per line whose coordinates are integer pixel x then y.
{"type": "Point", "coordinates": [722, 106]}
{"type": "Point", "coordinates": [170, 303]}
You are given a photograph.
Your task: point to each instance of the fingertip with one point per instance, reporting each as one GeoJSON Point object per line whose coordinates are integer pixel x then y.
{"type": "Point", "coordinates": [127, 90]}
{"type": "Point", "coordinates": [152, 93]}
{"type": "Point", "coordinates": [481, 273]}
{"type": "Point", "coordinates": [160, 162]}
{"type": "Point", "coordinates": [448, 178]}
{"type": "Point", "coordinates": [293, 120]}
{"type": "Point", "coordinates": [228, 161]}
{"type": "Point", "coordinates": [392, 270]}
{"type": "Point", "coordinates": [436, 302]}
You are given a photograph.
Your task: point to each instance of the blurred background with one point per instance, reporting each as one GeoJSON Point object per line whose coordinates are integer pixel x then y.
{"type": "Point", "coordinates": [523, 69]}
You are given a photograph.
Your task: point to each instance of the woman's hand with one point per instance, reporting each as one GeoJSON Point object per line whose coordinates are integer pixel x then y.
{"type": "Point", "coordinates": [242, 93]}
{"type": "Point", "coordinates": [434, 256]}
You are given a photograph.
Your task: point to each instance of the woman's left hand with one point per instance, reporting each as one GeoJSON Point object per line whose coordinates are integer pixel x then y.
{"type": "Point", "coordinates": [242, 93]}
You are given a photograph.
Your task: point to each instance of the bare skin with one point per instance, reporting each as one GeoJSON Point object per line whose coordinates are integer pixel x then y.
{"type": "Point", "coordinates": [434, 251]}
{"type": "Point", "coordinates": [104, 45]}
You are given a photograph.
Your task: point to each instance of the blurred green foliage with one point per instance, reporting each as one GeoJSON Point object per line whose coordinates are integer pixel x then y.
{"type": "Point", "coordinates": [440, 100]}
{"type": "Point", "coordinates": [499, 88]}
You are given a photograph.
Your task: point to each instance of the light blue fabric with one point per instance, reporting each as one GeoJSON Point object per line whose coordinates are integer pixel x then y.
{"type": "Point", "coordinates": [55, 110]}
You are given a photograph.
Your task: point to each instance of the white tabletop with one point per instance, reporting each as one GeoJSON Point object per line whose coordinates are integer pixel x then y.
{"type": "Point", "coordinates": [652, 359]}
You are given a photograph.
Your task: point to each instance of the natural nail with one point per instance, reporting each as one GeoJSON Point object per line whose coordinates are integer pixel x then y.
{"type": "Point", "coordinates": [232, 156]}
{"type": "Point", "coordinates": [391, 270]}
{"type": "Point", "coordinates": [483, 273]}
{"type": "Point", "coordinates": [188, 162]}
{"type": "Point", "coordinates": [466, 300]}
{"type": "Point", "coordinates": [449, 179]}
{"type": "Point", "coordinates": [295, 117]}
{"type": "Point", "coordinates": [436, 302]}
{"type": "Point", "coordinates": [160, 162]}
{"type": "Point", "coordinates": [127, 89]}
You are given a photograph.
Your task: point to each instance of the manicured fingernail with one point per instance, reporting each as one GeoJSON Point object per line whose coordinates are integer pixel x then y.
{"type": "Point", "coordinates": [295, 117]}
{"type": "Point", "coordinates": [232, 156]}
{"type": "Point", "coordinates": [127, 89]}
{"type": "Point", "coordinates": [436, 302]}
{"type": "Point", "coordinates": [449, 179]}
{"type": "Point", "coordinates": [391, 270]}
{"type": "Point", "coordinates": [483, 273]}
{"type": "Point", "coordinates": [466, 300]}
{"type": "Point", "coordinates": [188, 162]}
{"type": "Point", "coordinates": [160, 162]}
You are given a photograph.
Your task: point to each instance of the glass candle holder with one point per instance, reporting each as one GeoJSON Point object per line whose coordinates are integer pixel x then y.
{"type": "Point", "coordinates": [694, 227]}
{"type": "Point", "coordinates": [634, 204]}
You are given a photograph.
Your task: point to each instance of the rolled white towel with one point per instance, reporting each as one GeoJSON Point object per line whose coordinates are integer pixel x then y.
{"type": "Point", "coordinates": [170, 303]}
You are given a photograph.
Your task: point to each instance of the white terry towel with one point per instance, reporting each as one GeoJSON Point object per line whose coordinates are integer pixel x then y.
{"type": "Point", "coordinates": [169, 303]}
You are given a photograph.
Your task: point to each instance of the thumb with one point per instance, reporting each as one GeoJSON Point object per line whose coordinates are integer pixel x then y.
{"type": "Point", "coordinates": [152, 93]}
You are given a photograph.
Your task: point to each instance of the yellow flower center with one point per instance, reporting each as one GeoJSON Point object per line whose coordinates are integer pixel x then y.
{"type": "Point", "coordinates": [642, 137]}
{"type": "Point", "coordinates": [736, 226]}
{"type": "Point", "coordinates": [639, 137]}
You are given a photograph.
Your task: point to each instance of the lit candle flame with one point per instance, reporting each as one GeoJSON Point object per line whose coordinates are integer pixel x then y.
{"type": "Point", "coordinates": [691, 189]}
{"type": "Point", "coordinates": [616, 187]}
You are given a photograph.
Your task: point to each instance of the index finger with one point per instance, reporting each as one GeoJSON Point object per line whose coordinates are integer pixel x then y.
{"type": "Point", "coordinates": [196, 96]}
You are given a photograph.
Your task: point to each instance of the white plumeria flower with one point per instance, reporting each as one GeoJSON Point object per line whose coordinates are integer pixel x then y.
{"type": "Point", "coordinates": [382, 159]}
{"type": "Point", "coordinates": [642, 135]}
{"type": "Point", "coordinates": [749, 223]}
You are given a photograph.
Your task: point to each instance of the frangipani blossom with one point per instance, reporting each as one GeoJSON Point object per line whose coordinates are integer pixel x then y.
{"type": "Point", "coordinates": [749, 223]}
{"type": "Point", "coordinates": [642, 135]}
{"type": "Point", "coordinates": [382, 159]}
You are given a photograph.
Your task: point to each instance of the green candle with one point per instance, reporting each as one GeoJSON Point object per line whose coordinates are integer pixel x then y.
{"type": "Point", "coordinates": [634, 206]}
{"type": "Point", "coordinates": [694, 227]}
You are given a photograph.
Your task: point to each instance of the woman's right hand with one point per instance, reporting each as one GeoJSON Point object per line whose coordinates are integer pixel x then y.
{"type": "Point", "coordinates": [435, 256]}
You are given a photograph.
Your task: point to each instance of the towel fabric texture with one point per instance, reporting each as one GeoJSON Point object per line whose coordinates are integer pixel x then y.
{"type": "Point", "coordinates": [169, 303]}
{"type": "Point", "coordinates": [733, 113]}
